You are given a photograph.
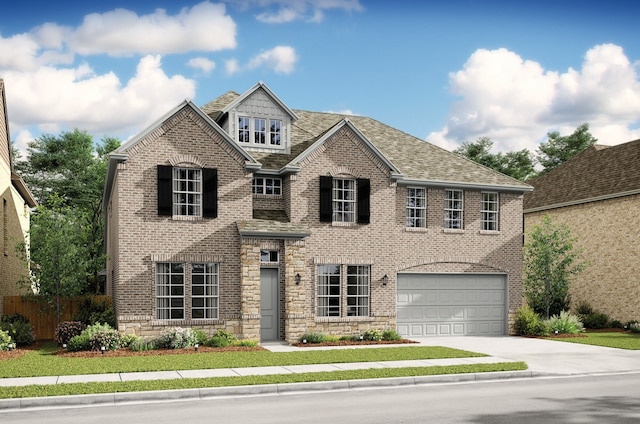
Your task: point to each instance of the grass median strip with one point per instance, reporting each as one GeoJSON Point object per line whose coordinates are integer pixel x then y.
{"type": "Point", "coordinates": [192, 383]}
{"type": "Point", "coordinates": [618, 340]}
{"type": "Point", "coordinates": [44, 362]}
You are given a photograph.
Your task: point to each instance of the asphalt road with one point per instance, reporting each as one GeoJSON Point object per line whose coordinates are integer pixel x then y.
{"type": "Point", "coordinates": [611, 399]}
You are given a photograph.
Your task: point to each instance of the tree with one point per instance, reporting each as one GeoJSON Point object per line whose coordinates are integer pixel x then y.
{"type": "Point", "coordinates": [559, 149]}
{"type": "Point", "coordinates": [549, 261]}
{"type": "Point", "coordinates": [518, 165]}
{"type": "Point", "coordinates": [66, 175]}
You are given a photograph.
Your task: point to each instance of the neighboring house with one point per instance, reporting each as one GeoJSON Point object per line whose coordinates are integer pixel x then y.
{"type": "Point", "coordinates": [14, 213]}
{"type": "Point", "coordinates": [597, 194]}
{"type": "Point", "coordinates": [271, 222]}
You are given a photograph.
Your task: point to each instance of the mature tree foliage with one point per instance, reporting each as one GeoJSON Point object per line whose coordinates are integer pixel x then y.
{"type": "Point", "coordinates": [559, 149]}
{"type": "Point", "coordinates": [66, 175]}
{"type": "Point", "coordinates": [518, 165]}
{"type": "Point", "coordinates": [549, 261]}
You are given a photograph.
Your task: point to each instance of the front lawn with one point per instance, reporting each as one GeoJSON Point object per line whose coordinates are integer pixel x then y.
{"type": "Point", "coordinates": [44, 361]}
{"type": "Point", "coordinates": [616, 339]}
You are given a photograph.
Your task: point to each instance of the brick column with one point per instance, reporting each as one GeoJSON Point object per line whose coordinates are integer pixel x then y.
{"type": "Point", "coordinates": [250, 289]}
{"type": "Point", "coordinates": [295, 294]}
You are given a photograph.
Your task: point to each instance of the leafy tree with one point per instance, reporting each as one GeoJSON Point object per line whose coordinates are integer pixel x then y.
{"type": "Point", "coordinates": [559, 149]}
{"type": "Point", "coordinates": [66, 175]}
{"type": "Point", "coordinates": [518, 165]}
{"type": "Point", "coordinates": [549, 261]}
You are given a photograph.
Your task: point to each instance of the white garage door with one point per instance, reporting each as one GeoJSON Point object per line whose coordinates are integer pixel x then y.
{"type": "Point", "coordinates": [451, 305]}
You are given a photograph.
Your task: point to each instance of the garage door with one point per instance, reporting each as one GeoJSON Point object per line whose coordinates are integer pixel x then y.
{"type": "Point", "coordinates": [451, 305]}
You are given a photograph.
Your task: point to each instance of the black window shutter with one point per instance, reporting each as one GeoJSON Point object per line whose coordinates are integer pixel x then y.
{"type": "Point", "coordinates": [165, 190]}
{"type": "Point", "coordinates": [209, 193]}
{"type": "Point", "coordinates": [326, 202]}
{"type": "Point", "coordinates": [364, 203]}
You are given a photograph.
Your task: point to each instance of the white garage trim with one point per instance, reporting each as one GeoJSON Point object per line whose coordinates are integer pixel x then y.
{"type": "Point", "coordinates": [451, 304]}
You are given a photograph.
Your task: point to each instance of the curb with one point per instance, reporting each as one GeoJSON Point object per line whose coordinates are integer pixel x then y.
{"type": "Point", "coordinates": [107, 399]}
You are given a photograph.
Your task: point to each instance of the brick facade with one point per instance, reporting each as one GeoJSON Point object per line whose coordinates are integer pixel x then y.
{"type": "Point", "coordinates": [138, 238]}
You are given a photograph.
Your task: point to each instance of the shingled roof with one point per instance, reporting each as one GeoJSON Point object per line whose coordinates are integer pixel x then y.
{"type": "Point", "coordinates": [416, 159]}
{"type": "Point", "coordinates": [599, 172]}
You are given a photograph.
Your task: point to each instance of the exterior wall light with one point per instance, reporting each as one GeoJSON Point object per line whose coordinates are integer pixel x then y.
{"type": "Point", "coordinates": [298, 278]}
{"type": "Point", "coordinates": [196, 347]}
{"type": "Point", "coordinates": [385, 280]}
{"type": "Point", "coordinates": [102, 349]}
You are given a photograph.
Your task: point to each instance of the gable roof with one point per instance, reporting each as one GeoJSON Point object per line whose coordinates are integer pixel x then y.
{"type": "Point", "coordinates": [259, 86]}
{"type": "Point", "coordinates": [412, 160]}
{"type": "Point", "coordinates": [599, 172]}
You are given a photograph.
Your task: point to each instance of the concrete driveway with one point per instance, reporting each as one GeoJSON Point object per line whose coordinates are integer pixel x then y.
{"type": "Point", "coordinates": [546, 356]}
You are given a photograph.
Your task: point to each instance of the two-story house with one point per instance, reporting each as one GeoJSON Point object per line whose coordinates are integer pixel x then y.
{"type": "Point", "coordinates": [16, 199]}
{"type": "Point", "coordinates": [271, 222]}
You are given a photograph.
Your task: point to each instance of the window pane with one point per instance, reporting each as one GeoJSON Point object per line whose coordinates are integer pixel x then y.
{"type": "Point", "coordinates": [187, 191]}
{"type": "Point", "coordinates": [204, 291]}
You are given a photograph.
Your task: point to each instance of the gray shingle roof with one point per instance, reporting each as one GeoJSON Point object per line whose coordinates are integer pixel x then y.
{"type": "Point", "coordinates": [416, 159]}
{"type": "Point", "coordinates": [598, 172]}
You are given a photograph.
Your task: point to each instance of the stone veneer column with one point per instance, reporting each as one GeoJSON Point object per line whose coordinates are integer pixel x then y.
{"type": "Point", "coordinates": [295, 294]}
{"type": "Point", "coordinates": [250, 289]}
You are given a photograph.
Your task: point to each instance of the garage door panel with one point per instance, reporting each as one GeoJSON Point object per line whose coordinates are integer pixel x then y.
{"type": "Point", "coordinates": [451, 304]}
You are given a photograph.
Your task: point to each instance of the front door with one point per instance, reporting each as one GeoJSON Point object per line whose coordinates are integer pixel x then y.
{"type": "Point", "coordinates": [269, 304]}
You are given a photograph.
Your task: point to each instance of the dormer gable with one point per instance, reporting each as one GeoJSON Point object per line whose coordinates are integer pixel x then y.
{"type": "Point", "coordinates": [259, 121]}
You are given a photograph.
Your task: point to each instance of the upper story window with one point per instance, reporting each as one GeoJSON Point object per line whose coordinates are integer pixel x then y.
{"type": "Point", "coordinates": [453, 209]}
{"type": "Point", "coordinates": [269, 186]}
{"type": "Point", "coordinates": [344, 200]}
{"type": "Point", "coordinates": [187, 192]}
{"type": "Point", "coordinates": [490, 210]}
{"type": "Point", "coordinates": [416, 207]}
{"type": "Point", "coordinates": [256, 131]}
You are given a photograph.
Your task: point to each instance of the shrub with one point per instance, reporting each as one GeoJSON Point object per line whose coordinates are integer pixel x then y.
{"type": "Point", "coordinates": [584, 308]}
{"type": "Point", "coordinates": [142, 345]}
{"type": "Point", "coordinates": [176, 338]}
{"type": "Point", "coordinates": [218, 341]}
{"type": "Point", "coordinates": [312, 337]}
{"type": "Point", "coordinates": [595, 320]}
{"type": "Point", "coordinates": [5, 340]}
{"type": "Point", "coordinates": [21, 332]}
{"type": "Point", "coordinates": [629, 324]}
{"type": "Point", "coordinates": [78, 343]}
{"type": "Point", "coordinates": [372, 334]}
{"type": "Point", "coordinates": [68, 329]}
{"type": "Point", "coordinates": [246, 343]}
{"type": "Point", "coordinates": [634, 327]}
{"type": "Point", "coordinates": [528, 323]}
{"type": "Point", "coordinates": [390, 335]}
{"type": "Point", "coordinates": [109, 339]}
{"type": "Point", "coordinates": [91, 311]}
{"type": "Point", "coordinates": [126, 340]}
{"type": "Point", "coordinates": [225, 335]}
{"type": "Point", "coordinates": [616, 324]}
{"type": "Point", "coordinates": [200, 336]}
{"type": "Point", "coordinates": [565, 323]}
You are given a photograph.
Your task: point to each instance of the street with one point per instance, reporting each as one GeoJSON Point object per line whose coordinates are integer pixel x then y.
{"type": "Point", "coordinates": [579, 399]}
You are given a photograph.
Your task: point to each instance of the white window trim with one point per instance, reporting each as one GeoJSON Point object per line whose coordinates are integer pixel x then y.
{"type": "Point", "coordinates": [214, 285]}
{"type": "Point", "coordinates": [447, 209]}
{"type": "Point", "coordinates": [484, 212]}
{"type": "Point", "coordinates": [264, 186]}
{"type": "Point", "coordinates": [423, 208]}
{"type": "Point", "coordinates": [343, 296]}
{"type": "Point", "coordinates": [197, 203]}
{"type": "Point", "coordinates": [268, 144]}
{"type": "Point", "coordinates": [346, 217]}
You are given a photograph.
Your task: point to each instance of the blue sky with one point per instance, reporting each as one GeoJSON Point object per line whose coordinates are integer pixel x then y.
{"type": "Point", "coordinates": [446, 71]}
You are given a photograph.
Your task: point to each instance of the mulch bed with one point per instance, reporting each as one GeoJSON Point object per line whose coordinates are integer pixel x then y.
{"type": "Point", "coordinates": [353, 343]}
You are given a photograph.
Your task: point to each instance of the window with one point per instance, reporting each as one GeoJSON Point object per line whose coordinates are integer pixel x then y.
{"type": "Point", "coordinates": [204, 291]}
{"type": "Point", "coordinates": [260, 131]}
{"type": "Point", "coordinates": [271, 186]}
{"type": "Point", "coordinates": [244, 132]}
{"type": "Point", "coordinates": [191, 192]}
{"type": "Point", "coordinates": [187, 191]}
{"type": "Point", "coordinates": [416, 207]}
{"type": "Point", "coordinates": [489, 212]}
{"type": "Point", "coordinates": [330, 290]}
{"type": "Point", "coordinates": [275, 126]}
{"type": "Point", "coordinates": [453, 209]}
{"type": "Point", "coordinates": [358, 291]}
{"type": "Point", "coordinates": [269, 256]}
{"type": "Point", "coordinates": [344, 200]}
{"type": "Point", "coordinates": [170, 291]}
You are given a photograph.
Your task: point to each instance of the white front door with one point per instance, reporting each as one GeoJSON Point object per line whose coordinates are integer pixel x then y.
{"type": "Point", "coordinates": [269, 304]}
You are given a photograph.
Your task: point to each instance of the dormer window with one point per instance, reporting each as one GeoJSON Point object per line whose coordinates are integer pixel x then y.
{"type": "Point", "coordinates": [260, 132]}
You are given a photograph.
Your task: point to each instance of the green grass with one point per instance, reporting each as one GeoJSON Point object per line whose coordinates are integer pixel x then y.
{"type": "Point", "coordinates": [136, 386]}
{"type": "Point", "coordinates": [44, 363]}
{"type": "Point", "coordinates": [619, 340]}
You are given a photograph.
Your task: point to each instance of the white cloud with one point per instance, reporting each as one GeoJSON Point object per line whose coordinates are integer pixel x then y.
{"type": "Point", "coordinates": [516, 102]}
{"type": "Point", "coordinates": [61, 99]}
{"type": "Point", "coordinates": [281, 59]}
{"type": "Point", "coordinates": [294, 10]}
{"type": "Point", "coordinates": [202, 63]}
{"type": "Point", "coordinates": [203, 27]}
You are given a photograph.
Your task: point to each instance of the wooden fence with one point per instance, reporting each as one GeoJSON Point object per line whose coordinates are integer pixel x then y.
{"type": "Point", "coordinates": [43, 320]}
